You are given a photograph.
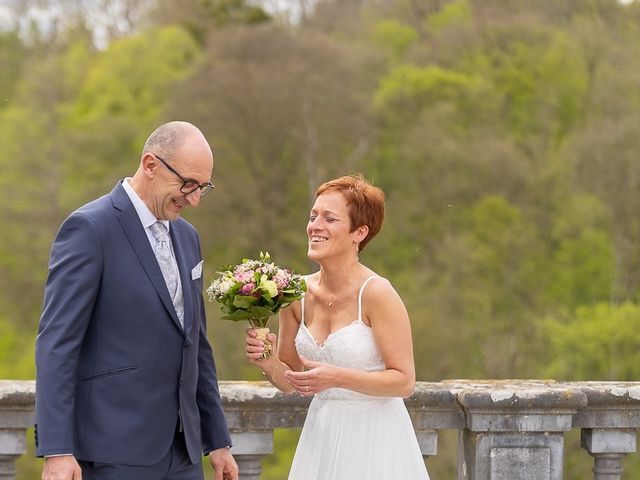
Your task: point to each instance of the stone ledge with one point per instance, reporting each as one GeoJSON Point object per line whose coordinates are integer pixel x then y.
{"type": "Point", "coordinates": [17, 393]}
{"type": "Point", "coordinates": [609, 405]}
{"type": "Point", "coordinates": [517, 395]}
{"type": "Point", "coordinates": [434, 405]}
{"type": "Point", "coordinates": [17, 404]}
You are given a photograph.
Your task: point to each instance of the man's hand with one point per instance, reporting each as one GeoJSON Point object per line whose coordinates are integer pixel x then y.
{"type": "Point", "coordinates": [224, 464]}
{"type": "Point", "coordinates": [64, 467]}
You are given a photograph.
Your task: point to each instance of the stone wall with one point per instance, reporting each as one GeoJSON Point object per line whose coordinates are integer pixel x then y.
{"type": "Point", "coordinates": [508, 429]}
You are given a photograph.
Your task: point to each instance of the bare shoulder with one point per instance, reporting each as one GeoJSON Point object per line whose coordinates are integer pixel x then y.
{"type": "Point", "coordinates": [379, 295]}
{"type": "Point", "coordinates": [312, 280]}
{"type": "Point", "coordinates": [291, 312]}
{"type": "Point", "coordinates": [379, 287]}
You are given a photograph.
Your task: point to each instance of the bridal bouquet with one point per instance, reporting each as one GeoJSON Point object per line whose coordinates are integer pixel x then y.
{"type": "Point", "coordinates": [255, 290]}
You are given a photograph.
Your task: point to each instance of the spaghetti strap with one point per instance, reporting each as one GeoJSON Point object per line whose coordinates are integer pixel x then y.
{"type": "Point", "coordinates": [360, 296]}
{"type": "Point", "coordinates": [359, 300]}
{"type": "Point", "coordinates": [302, 303]}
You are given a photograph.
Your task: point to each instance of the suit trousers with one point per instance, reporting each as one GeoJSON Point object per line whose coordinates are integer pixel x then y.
{"type": "Point", "coordinates": [175, 465]}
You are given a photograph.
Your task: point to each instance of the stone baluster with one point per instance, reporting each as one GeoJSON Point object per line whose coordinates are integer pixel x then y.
{"type": "Point", "coordinates": [515, 429]}
{"type": "Point", "coordinates": [16, 415]}
{"type": "Point", "coordinates": [608, 422]}
{"type": "Point", "coordinates": [608, 447]}
{"type": "Point", "coordinates": [249, 448]}
{"type": "Point", "coordinates": [253, 410]}
{"type": "Point", "coordinates": [433, 407]}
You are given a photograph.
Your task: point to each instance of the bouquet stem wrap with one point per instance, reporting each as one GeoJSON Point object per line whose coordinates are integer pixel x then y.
{"type": "Point", "coordinates": [261, 334]}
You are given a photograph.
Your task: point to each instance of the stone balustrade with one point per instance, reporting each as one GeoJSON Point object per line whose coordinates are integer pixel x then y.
{"type": "Point", "coordinates": [508, 429]}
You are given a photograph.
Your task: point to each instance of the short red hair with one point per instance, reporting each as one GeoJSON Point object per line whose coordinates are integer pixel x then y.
{"type": "Point", "coordinates": [365, 202]}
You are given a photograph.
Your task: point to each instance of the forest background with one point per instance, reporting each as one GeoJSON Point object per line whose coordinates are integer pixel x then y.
{"type": "Point", "coordinates": [505, 134]}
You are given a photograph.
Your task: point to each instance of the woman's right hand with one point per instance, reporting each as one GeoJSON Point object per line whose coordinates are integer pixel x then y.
{"type": "Point", "coordinates": [255, 349]}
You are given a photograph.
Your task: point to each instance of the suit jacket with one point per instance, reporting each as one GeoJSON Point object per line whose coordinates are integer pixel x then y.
{"type": "Point", "coordinates": [115, 370]}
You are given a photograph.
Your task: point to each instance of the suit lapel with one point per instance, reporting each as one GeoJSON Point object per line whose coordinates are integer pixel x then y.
{"type": "Point", "coordinates": [132, 227]}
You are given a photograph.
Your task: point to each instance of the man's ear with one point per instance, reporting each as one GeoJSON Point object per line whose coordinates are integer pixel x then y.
{"type": "Point", "coordinates": [149, 163]}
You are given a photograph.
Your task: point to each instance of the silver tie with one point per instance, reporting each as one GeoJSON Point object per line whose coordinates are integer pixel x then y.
{"type": "Point", "coordinates": [168, 267]}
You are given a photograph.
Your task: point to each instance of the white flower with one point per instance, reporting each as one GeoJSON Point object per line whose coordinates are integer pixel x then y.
{"type": "Point", "coordinates": [225, 285]}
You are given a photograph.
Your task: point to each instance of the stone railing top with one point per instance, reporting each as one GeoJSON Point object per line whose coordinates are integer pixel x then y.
{"type": "Point", "coordinates": [608, 393]}
{"type": "Point", "coordinates": [433, 405]}
{"type": "Point", "coordinates": [517, 394]}
{"type": "Point", "coordinates": [261, 406]}
{"type": "Point", "coordinates": [17, 403]}
{"type": "Point", "coordinates": [258, 394]}
{"type": "Point", "coordinates": [17, 393]}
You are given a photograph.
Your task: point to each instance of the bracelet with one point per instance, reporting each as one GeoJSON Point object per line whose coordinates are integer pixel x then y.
{"type": "Point", "coordinates": [273, 372]}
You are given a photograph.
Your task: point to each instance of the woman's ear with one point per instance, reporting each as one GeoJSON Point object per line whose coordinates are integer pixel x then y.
{"type": "Point", "coordinates": [361, 233]}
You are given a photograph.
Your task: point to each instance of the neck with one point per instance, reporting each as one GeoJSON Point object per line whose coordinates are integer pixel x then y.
{"type": "Point", "coordinates": [336, 275]}
{"type": "Point", "coordinates": [139, 186]}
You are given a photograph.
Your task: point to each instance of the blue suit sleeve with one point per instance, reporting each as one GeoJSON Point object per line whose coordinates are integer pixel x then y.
{"type": "Point", "coordinates": [214, 430]}
{"type": "Point", "coordinates": [75, 269]}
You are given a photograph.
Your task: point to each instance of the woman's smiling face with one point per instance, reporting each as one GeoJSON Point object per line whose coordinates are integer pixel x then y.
{"type": "Point", "coordinates": [329, 228]}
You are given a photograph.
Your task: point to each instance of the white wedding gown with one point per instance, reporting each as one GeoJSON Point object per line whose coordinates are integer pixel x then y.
{"type": "Point", "coordinates": [349, 435]}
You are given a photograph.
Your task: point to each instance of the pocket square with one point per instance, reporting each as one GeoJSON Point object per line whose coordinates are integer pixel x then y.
{"type": "Point", "coordinates": [196, 272]}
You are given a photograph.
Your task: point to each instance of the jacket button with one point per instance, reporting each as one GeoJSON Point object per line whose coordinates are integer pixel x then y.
{"type": "Point", "coordinates": [181, 383]}
{"type": "Point", "coordinates": [187, 343]}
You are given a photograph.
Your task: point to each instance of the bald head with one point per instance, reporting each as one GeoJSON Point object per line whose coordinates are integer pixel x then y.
{"type": "Point", "coordinates": [174, 155]}
{"type": "Point", "coordinates": [167, 139]}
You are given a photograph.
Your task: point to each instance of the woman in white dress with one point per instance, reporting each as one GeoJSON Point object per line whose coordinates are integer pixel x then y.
{"type": "Point", "coordinates": [348, 344]}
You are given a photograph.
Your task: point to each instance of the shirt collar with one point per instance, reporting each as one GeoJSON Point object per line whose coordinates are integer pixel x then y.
{"type": "Point", "coordinates": [146, 217]}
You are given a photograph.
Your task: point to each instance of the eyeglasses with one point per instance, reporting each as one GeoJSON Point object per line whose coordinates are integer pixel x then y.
{"type": "Point", "coordinates": [188, 186]}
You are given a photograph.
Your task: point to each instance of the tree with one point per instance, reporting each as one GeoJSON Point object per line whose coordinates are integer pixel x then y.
{"type": "Point", "coordinates": [594, 343]}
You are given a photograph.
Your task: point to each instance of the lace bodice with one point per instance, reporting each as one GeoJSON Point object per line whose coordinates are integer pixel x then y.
{"type": "Point", "coordinates": [352, 346]}
{"type": "Point", "coordinates": [350, 435]}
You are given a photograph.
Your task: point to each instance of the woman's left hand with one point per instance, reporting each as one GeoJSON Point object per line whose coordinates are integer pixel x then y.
{"type": "Point", "coordinates": [314, 379]}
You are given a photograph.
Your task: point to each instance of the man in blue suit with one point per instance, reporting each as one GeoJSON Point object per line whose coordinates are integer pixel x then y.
{"type": "Point", "coordinates": [126, 382]}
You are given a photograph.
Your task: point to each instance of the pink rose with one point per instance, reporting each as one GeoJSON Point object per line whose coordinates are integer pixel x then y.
{"type": "Point", "coordinates": [281, 278]}
{"type": "Point", "coordinates": [248, 288]}
{"type": "Point", "coordinates": [243, 277]}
